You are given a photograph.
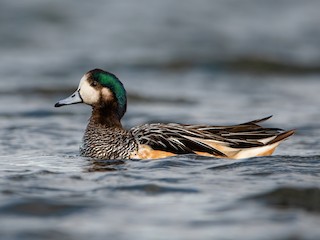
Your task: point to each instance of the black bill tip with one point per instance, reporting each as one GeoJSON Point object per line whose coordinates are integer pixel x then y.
{"type": "Point", "coordinates": [58, 104]}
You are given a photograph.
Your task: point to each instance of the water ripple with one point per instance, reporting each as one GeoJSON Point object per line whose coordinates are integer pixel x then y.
{"type": "Point", "coordinates": [155, 189]}
{"type": "Point", "coordinates": [307, 199]}
{"type": "Point", "coordinates": [40, 208]}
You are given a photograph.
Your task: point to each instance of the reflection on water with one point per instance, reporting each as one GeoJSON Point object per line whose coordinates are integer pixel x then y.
{"type": "Point", "coordinates": [105, 165]}
{"type": "Point", "coordinates": [209, 62]}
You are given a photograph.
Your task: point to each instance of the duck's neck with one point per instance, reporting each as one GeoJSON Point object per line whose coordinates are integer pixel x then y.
{"type": "Point", "coordinates": [105, 116]}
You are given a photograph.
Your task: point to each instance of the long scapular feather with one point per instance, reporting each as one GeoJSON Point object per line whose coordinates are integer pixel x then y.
{"type": "Point", "coordinates": [234, 141]}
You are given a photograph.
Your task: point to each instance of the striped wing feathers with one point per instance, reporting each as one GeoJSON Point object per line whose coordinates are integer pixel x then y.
{"type": "Point", "coordinates": [217, 141]}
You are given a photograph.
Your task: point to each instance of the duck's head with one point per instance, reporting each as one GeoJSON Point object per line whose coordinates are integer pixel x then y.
{"type": "Point", "coordinates": [101, 90]}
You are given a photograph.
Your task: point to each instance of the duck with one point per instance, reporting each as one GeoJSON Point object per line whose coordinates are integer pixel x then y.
{"type": "Point", "coordinates": [106, 138]}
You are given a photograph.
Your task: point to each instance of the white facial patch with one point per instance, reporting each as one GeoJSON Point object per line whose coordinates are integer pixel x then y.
{"type": "Point", "coordinates": [88, 93]}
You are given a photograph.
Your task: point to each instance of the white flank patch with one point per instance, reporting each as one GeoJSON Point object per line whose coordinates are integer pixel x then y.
{"type": "Point", "coordinates": [255, 151]}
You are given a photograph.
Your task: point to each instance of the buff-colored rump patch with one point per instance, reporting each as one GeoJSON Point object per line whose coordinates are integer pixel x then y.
{"type": "Point", "coordinates": [146, 152]}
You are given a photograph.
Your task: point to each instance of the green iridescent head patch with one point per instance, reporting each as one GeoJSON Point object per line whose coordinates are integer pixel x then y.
{"type": "Point", "coordinates": [110, 81]}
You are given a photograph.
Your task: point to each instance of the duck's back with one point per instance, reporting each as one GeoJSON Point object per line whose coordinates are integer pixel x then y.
{"type": "Point", "coordinates": [235, 142]}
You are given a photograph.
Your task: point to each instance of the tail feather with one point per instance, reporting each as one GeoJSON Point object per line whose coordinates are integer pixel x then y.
{"type": "Point", "coordinates": [281, 137]}
{"type": "Point", "coordinates": [265, 149]}
{"type": "Point", "coordinates": [258, 120]}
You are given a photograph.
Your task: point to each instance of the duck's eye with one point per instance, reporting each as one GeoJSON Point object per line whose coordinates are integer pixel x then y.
{"type": "Point", "coordinates": [94, 83]}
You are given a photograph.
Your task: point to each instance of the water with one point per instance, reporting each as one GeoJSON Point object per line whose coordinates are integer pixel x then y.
{"type": "Point", "coordinates": [214, 62]}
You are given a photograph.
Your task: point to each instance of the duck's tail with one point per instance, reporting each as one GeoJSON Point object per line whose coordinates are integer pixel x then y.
{"type": "Point", "coordinates": [266, 149]}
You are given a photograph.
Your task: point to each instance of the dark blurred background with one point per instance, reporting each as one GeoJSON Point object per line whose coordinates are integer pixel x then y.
{"type": "Point", "coordinates": [227, 60]}
{"type": "Point", "coordinates": [216, 62]}
{"type": "Point", "coordinates": [63, 37]}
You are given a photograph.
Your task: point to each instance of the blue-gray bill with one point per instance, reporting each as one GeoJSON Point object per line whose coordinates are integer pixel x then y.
{"type": "Point", "coordinates": [73, 99]}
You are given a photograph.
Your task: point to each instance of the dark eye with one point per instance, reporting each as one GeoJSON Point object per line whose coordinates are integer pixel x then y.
{"type": "Point", "coordinates": [94, 83]}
